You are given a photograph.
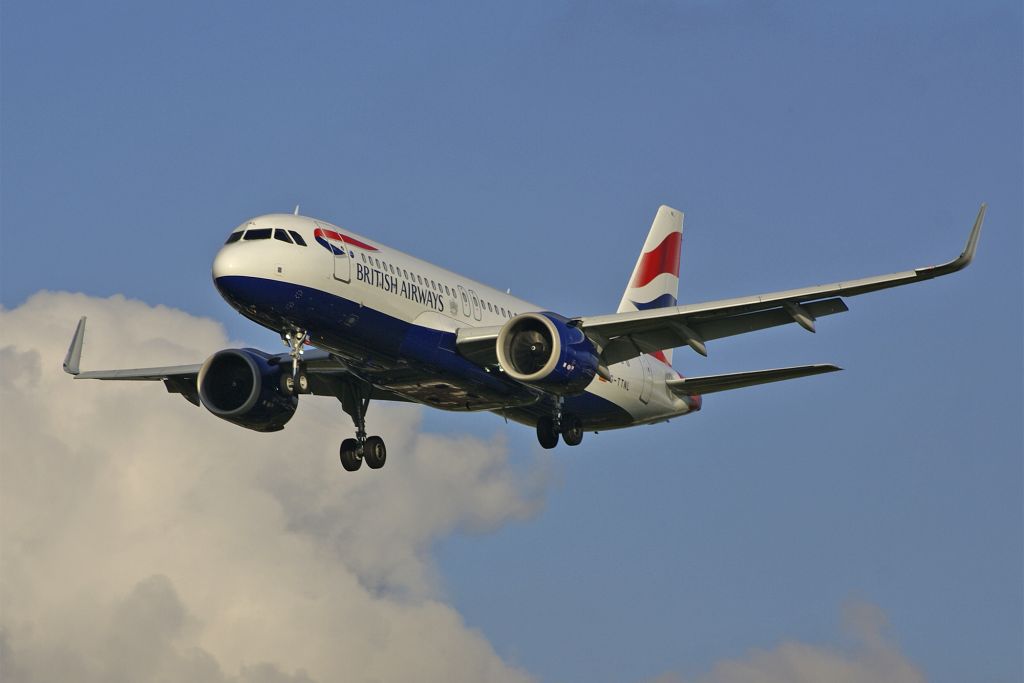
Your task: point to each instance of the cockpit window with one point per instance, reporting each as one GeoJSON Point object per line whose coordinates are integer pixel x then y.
{"type": "Point", "coordinates": [234, 237]}
{"type": "Point", "coordinates": [258, 234]}
{"type": "Point", "coordinates": [282, 235]}
{"type": "Point", "coordinates": [297, 237]}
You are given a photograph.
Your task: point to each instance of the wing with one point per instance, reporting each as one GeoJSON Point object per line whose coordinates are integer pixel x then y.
{"type": "Point", "coordinates": [621, 336]}
{"type": "Point", "coordinates": [625, 335]}
{"type": "Point", "coordinates": [691, 386]}
{"type": "Point", "coordinates": [326, 373]}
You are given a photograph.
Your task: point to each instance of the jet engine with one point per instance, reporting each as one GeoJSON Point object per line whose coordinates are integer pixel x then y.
{"type": "Point", "coordinates": [544, 349]}
{"type": "Point", "coordinates": [244, 388]}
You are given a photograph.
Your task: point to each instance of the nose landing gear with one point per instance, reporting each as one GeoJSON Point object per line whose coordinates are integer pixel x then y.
{"type": "Point", "coordinates": [297, 382]}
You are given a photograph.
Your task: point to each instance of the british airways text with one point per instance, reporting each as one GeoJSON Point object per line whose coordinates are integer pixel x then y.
{"type": "Point", "coordinates": [390, 283]}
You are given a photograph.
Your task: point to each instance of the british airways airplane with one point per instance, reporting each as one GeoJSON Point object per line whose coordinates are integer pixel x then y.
{"type": "Point", "coordinates": [383, 325]}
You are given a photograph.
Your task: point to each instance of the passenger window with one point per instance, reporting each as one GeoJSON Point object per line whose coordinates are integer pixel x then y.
{"type": "Point", "coordinates": [502, 311]}
{"type": "Point", "coordinates": [446, 291]}
{"type": "Point", "coordinates": [405, 273]}
{"type": "Point", "coordinates": [419, 279]}
{"type": "Point", "coordinates": [234, 237]}
{"type": "Point", "coordinates": [489, 307]}
{"type": "Point", "coordinates": [258, 234]}
{"type": "Point", "coordinates": [280, 234]}
{"type": "Point", "coordinates": [392, 269]}
{"type": "Point", "coordinates": [298, 238]}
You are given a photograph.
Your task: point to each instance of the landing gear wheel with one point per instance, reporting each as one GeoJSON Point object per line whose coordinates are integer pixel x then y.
{"type": "Point", "coordinates": [288, 384]}
{"type": "Point", "coordinates": [547, 434]}
{"type": "Point", "coordinates": [572, 430]}
{"type": "Point", "coordinates": [351, 458]}
{"type": "Point", "coordinates": [375, 453]}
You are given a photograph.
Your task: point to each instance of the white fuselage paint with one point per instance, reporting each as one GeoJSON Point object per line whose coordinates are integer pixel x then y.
{"type": "Point", "coordinates": [414, 291]}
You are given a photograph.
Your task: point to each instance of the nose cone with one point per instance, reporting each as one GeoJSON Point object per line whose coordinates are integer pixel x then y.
{"type": "Point", "coordinates": [226, 263]}
{"type": "Point", "coordinates": [229, 272]}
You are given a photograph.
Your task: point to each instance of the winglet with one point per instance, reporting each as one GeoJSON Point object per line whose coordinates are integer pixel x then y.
{"type": "Point", "coordinates": [75, 350]}
{"type": "Point", "coordinates": [965, 257]}
{"type": "Point", "coordinates": [972, 240]}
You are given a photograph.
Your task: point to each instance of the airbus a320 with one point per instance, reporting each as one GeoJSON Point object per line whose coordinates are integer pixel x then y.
{"type": "Point", "coordinates": [365, 322]}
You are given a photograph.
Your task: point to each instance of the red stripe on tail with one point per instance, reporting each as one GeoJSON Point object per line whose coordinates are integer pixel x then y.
{"type": "Point", "coordinates": [664, 258]}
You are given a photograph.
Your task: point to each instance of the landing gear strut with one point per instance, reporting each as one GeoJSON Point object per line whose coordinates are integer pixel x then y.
{"type": "Point", "coordinates": [355, 399]}
{"type": "Point", "coordinates": [297, 382]}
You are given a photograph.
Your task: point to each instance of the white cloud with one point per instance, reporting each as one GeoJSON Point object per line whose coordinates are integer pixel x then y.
{"type": "Point", "coordinates": [143, 539]}
{"type": "Point", "coordinates": [872, 658]}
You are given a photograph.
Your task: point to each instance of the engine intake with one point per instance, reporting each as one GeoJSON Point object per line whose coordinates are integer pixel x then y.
{"type": "Point", "coordinates": [242, 387]}
{"type": "Point", "coordinates": [544, 350]}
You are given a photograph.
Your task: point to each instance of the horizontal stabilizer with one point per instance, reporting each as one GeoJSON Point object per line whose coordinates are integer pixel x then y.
{"type": "Point", "coordinates": [692, 386]}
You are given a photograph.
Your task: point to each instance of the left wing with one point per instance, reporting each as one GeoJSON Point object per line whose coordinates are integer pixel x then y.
{"type": "Point", "coordinates": [621, 336]}
{"type": "Point", "coordinates": [324, 371]}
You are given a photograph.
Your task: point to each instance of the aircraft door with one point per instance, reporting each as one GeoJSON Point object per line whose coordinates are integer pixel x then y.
{"type": "Point", "coordinates": [645, 388]}
{"type": "Point", "coordinates": [477, 308]}
{"type": "Point", "coordinates": [466, 306]}
{"type": "Point", "coordinates": [340, 251]}
{"type": "Point", "coordinates": [342, 263]}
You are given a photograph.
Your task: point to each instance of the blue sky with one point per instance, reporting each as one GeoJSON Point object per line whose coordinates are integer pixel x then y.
{"type": "Point", "coordinates": [528, 145]}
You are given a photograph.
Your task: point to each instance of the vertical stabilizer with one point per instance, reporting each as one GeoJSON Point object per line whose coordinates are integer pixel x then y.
{"type": "Point", "coordinates": [655, 279]}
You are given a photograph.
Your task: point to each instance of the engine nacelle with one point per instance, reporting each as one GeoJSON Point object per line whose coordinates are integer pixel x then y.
{"type": "Point", "coordinates": [544, 350]}
{"type": "Point", "coordinates": [242, 387]}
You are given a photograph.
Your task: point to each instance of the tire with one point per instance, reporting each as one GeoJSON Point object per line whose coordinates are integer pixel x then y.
{"type": "Point", "coordinates": [288, 384]}
{"type": "Point", "coordinates": [351, 460]}
{"type": "Point", "coordinates": [572, 430]}
{"type": "Point", "coordinates": [547, 435]}
{"type": "Point", "coordinates": [375, 453]}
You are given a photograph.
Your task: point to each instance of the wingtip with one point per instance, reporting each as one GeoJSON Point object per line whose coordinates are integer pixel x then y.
{"type": "Point", "coordinates": [972, 240]}
{"type": "Point", "coordinates": [74, 355]}
{"type": "Point", "coordinates": [828, 367]}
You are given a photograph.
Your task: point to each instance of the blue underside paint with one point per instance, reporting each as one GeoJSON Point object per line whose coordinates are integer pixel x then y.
{"type": "Point", "coordinates": [418, 362]}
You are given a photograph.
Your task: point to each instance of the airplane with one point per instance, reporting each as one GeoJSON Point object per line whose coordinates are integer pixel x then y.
{"type": "Point", "coordinates": [382, 325]}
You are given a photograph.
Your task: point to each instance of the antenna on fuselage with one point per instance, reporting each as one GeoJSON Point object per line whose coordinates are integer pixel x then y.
{"type": "Point", "coordinates": [296, 211]}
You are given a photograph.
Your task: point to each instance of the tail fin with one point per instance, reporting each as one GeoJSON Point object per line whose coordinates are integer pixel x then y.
{"type": "Point", "coordinates": [655, 279]}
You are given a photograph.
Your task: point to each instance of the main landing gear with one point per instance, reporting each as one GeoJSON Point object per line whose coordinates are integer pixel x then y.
{"type": "Point", "coordinates": [569, 426]}
{"type": "Point", "coordinates": [355, 399]}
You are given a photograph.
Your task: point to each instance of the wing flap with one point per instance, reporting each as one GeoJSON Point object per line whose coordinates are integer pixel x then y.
{"type": "Point", "coordinates": [691, 386]}
{"type": "Point", "coordinates": [694, 331]}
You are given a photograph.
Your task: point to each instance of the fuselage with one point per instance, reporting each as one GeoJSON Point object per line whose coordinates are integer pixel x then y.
{"type": "Point", "coordinates": [392, 319]}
